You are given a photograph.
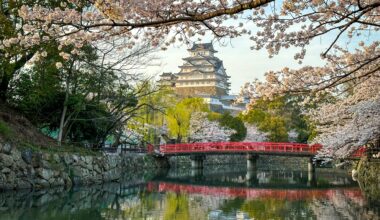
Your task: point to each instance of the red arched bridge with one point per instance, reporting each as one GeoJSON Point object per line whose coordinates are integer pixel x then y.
{"type": "Point", "coordinates": [264, 148]}
{"type": "Point", "coordinates": [198, 151]}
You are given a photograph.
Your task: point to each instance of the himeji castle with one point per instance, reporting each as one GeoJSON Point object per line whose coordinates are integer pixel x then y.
{"type": "Point", "coordinates": [203, 75]}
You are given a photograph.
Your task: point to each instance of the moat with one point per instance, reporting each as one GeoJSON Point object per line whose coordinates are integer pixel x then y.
{"type": "Point", "coordinates": [214, 193]}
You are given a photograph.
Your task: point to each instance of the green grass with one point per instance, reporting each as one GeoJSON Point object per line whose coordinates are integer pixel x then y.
{"type": "Point", "coordinates": [5, 131]}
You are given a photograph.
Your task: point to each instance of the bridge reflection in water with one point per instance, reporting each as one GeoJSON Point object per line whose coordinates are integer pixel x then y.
{"type": "Point", "coordinates": [255, 193]}
{"type": "Point", "coordinates": [277, 184]}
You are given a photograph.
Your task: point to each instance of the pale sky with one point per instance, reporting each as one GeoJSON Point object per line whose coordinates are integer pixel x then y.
{"type": "Point", "coordinates": [241, 63]}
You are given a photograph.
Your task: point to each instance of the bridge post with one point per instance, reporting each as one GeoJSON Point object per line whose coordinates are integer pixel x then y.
{"type": "Point", "coordinates": [197, 174]}
{"type": "Point", "coordinates": [251, 175]}
{"type": "Point", "coordinates": [311, 178]}
{"type": "Point", "coordinates": [310, 165]}
{"type": "Point", "coordinates": [251, 162]}
{"type": "Point", "coordinates": [197, 161]}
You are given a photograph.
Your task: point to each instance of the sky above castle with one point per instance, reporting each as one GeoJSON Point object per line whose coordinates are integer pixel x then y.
{"type": "Point", "coordinates": [241, 63]}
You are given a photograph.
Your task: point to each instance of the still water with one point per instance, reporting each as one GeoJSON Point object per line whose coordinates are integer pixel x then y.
{"type": "Point", "coordinates": [216, 193]}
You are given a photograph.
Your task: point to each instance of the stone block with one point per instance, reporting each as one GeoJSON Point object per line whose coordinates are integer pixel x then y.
{"type": "Point", "coordinates": [37, 160]}
{"type": "Point", "coordinates": [57, 158]}
{"type": "Point", "coordinates": [68, 159]}
{"type": "Point", "coordinates": [41, 183]}
{"type": "Point", "coordinates": [5, 170]}
{"type": "Point", "coordinates": [24, 184]}
{"type": "Point", "coordinates": [5, 148]}
{"type": "Point", "coordinates": [27, 156]}
{"type": "Point", "coordinates": [6, 160]}
{"type": "Point", "coordinates": [46, 174]}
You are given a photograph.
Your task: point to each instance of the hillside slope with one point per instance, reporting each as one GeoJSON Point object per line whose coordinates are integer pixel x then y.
{"type": "Point", "coordinates": [17, 129]}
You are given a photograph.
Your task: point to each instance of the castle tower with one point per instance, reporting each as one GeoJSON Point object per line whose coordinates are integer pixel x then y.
{"type": "Point", "coordinates": [202, 74]}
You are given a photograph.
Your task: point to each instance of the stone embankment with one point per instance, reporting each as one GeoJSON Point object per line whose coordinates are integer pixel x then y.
{"type": "Point", "coordinates": [369, 178]}
{"type": "Point", "coordinates": [23, 169]}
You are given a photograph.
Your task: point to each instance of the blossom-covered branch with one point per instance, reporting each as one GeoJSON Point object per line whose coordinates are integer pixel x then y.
{"type": "Point", "coordinates": [78, 22]}
{"type": "Point", "coordinates": [255, 135]}
{"type": "Point", "coordinates": [204, 130]}
{"type": "Point", "coordinates": [350, 67]}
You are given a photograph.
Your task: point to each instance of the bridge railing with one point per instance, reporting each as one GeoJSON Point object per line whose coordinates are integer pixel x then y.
{"type": "Point", "coordinates": [221, 147]}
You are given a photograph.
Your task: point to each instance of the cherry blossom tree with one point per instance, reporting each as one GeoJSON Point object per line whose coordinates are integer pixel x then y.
{"type": "Point", "coordinates": [350, 118]}
{"type": "Point", "coordinates": [204, 130]}
{"type": "Point", "coordinates": [292, 135]}
{"type": "Point", "coordinates": [254, 134]}
{"type": "Point", "coordinates": [350, 75]}
{"type": "Point", "coordinates": [350, 122]}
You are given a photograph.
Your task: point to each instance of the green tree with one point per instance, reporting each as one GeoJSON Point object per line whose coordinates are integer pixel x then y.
{"type": "Point", "coordinates": [150, 119]}
{"type": "Point", "coordinates": [85, 100]}
{"type": "Point", "coordinates": [235, 123]}
{"type": "Point", "coordinates": [178, 116]}
{"type": "Point", "coordinates": [279, 116]}
{"type": "Point", "coordinates": [276, 128]}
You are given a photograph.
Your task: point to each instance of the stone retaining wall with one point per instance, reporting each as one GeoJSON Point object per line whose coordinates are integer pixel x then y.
{"type": "Point", "coordinates": [27, 169]}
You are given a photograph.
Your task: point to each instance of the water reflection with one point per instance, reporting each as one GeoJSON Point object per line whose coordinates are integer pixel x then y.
{"type": "Point", "coordinates": [213, 194]}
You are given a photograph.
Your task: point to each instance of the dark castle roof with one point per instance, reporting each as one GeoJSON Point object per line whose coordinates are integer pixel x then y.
{"type": "Point", "coordinates": [167, 74]}
{"type": "Point", "coordinates": [218, 63]}
{"type": "Point", "coordinates": [216, 66]}
{"type": "Point", "coordinates": [205, 46]}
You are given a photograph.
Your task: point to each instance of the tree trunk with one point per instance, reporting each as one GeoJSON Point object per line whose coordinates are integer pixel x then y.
{"type": "Point", "coordinates": [63, 123]}
{"type": "Point", "coordinates": [63, 116]}
{"type": "Point", "coordinates": [9, 70]}
{"type": "Point", "coordinates": [4, 87]}
{"type": "Point", "coordinates": [117, 139]}
{"type": "Point", "coordinates": [179, 138]}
